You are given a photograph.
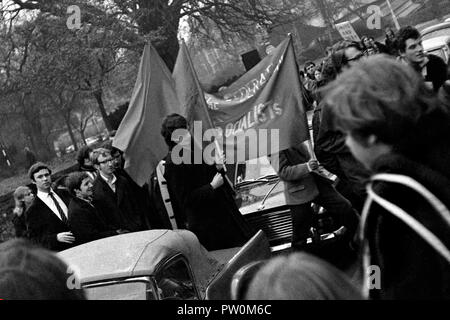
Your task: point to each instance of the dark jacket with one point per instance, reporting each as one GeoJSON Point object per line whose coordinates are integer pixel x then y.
{"type": "Point", "coordinates": [334, 155]}
{"type": "Point", "coordinates": [124, 209]}
{"type": "Point", "coordinates": [20, 227]}
{"type": "Point", "coordinates": [211, 215]}
{"type": "Point", "coordinates": [86, 223]}
{"type": "Point", "coordinates": [410, 268]}
{"type": "Point", "coordinates": [43, 225]}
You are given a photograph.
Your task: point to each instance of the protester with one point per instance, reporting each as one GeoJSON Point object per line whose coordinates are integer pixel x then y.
{"type": "Point", "coordinates": [84, 219]}
{"type": "Point", "coordinates": [300, 276]}
{"type": "Point", "coordinates": [390, 42]}
{"type": "Point", "coordinates": [199, 195]}
{"type": "Point", "coordinates": [29, 272]}
{"type": "Point", "coordinates": [395, 125]}
{"type": "Point", "coordinates": [432, 68]}
{"type": "Point", "coordinates": [23, 198]}
{"type": "Point", "coordinates": [117, 200]}
{"type": "Point", "coordinates": [46, 218]}
{"type": "Point", "coordinates": [304, 184]}
{"type": "Point", "coordinates": [329, 146]}
{"type": "Point", "coordinates": [84, 161]}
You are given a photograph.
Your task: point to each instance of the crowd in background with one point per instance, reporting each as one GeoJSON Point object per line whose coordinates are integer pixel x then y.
{"type": "Point", "coordinates": [383, 124]}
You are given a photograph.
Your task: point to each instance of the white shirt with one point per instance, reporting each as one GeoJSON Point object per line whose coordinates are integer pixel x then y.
{"type": "Point", "coordinates": [45, 197]}
{"type": "Point", "coordinates": [111, 183]}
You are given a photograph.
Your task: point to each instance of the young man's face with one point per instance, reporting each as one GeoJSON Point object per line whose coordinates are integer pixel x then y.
{"type": "Point", "coordinates": [310, 69]}
{"type": "Point", "coordinates": [105, 164]}
{"type": "Point", "coordinates": [42, 180]}
{"type": "Point", "coordinates": [413, 51]}
{"type": "Point", "coordinates": [85, 191]}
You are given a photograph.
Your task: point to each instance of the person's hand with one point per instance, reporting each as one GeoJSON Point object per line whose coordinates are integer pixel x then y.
{"type": "Point", "coordinates": [66, 237]}
{"type": "Point", "coordinates": [217, 181]}
{"type": "Point", "coordinates": [18, 211]}
{"type": "Point", "coordinates": [312, 165]}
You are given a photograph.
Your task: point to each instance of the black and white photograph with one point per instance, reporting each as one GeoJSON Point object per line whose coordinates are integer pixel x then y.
{"type": "Point", "coordinates": [226, 155]}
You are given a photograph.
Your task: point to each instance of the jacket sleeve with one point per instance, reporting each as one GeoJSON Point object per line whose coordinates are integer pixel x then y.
{"type": "Point", "coordinates": [286, 171]}
{"type": "Point", "coordinates": [38, 232]}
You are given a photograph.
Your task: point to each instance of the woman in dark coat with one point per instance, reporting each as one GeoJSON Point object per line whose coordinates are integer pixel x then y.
{"type": "Point", "coordinates": [396, 127]}
{"type": "Point", "coordinates": [201, 197]}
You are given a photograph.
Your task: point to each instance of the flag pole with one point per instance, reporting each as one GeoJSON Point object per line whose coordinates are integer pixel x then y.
{"type": "Point", "coordinates": [219, 150]}
{"type": "Point", "coordinates": [397, 25]}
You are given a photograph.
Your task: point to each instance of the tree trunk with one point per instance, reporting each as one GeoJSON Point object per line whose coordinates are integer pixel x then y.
{"type": "Point", "coordinates": [154, 15]}
{"type": "Point", "coordinates": [98, 96]}
{"type": "Point", "coordinates": [33, 130]}
{"type": "Point", "coordinates": [326, 18]}
{"type": "Point", "coordinates": [69, 128]}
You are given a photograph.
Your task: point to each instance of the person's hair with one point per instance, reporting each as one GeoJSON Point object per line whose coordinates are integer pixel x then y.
{"type": "Point", "coordinates": [29, 272]}
{"type": "Point", "coordinates": [19, 196]}
{"type": "Point", "coordinates": [37, 167]}
{"type": "Point", "coordinates": [307, 64]}
{"type": "Point", "coordinates": [74, 181]}
{"type": "Point", "coordinates": [386, 98]}
{"type": "Point", "coordinates": [82, 154]}
{"type": "Point", "coordinates": [170, 124]}
{"type": "Point", "coordinates": [404, 34]}
{"type": "Point", "coordinates": [362, 41]}
{"type": "Point", "coordinates": [300, 276]}
{"type": "Point", "coordinates": [99, 152]}
{"type": "Point", "coordinates": [333, 66]}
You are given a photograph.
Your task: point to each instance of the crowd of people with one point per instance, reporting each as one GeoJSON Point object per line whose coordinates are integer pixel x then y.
{"type": "Point", "coordinates": [380, 124]}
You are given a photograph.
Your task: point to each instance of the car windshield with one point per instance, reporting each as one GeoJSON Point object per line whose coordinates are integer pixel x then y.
{"type": "Point", "coordinates": [257, 185]}
{"type": "Point", "coordinates": [438, 52]}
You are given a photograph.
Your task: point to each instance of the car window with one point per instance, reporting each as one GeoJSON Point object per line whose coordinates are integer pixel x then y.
{"type": "Point", "coordinates": [120, 290]}
{"type": "Point", "coordinates": [257, 181]}
{"type": "Point", "coordinates": [438, 52]}
{"type": "Point", "coordinates": [175, 281]}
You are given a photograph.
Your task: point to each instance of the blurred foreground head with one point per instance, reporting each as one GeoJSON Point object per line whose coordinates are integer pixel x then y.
{"type": "Point", "coordinates": [29, 272]}
{"type": "Point", "coordinates": [384, 106]}
{"type": "Point", "coordinates": [300, 276]}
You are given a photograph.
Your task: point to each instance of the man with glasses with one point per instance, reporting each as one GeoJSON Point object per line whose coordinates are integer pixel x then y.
{"type": "Point", "coordinates": [115, 197]}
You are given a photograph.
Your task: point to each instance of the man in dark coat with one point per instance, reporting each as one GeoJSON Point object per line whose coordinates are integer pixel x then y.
{"type": "Point", "coordinates": [200, 196]}
{"type": "Point", "coordinates": [46, 218]}
{"type": "Point", "coordinates": [84, 220]}
{"type": "Point", "coordinates": [401, 132]}
{"type": "Point", "coordinates": [304, 184]}
{"type": "Point", "coordinates": [116, 199]}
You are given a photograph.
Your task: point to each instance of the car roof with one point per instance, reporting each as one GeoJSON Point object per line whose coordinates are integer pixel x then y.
{"type": "Point", "coordinates": [436, 42]}
{"type": "Point", "coordinates": [139, 254]}
{"type": "Point", "coordinates": [435, 27]}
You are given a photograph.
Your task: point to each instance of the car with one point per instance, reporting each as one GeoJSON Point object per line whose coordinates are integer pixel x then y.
{"type": "Point", "coordinates": [91, 140]}
{"type": "Point", "coordinates": [439, 46]}
{"type": "Point", "coordinates": [437, 30]}
{"type": "Point", "coordinates": [159, 265]}
{"type": "Point", "coordinates": [261, 200]}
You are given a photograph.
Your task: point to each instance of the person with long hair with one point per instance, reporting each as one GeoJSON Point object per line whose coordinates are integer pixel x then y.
{"type": "Point", "coordinates": [396, 127]}
{"type": "Point", "coordinates": [23, 198]}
